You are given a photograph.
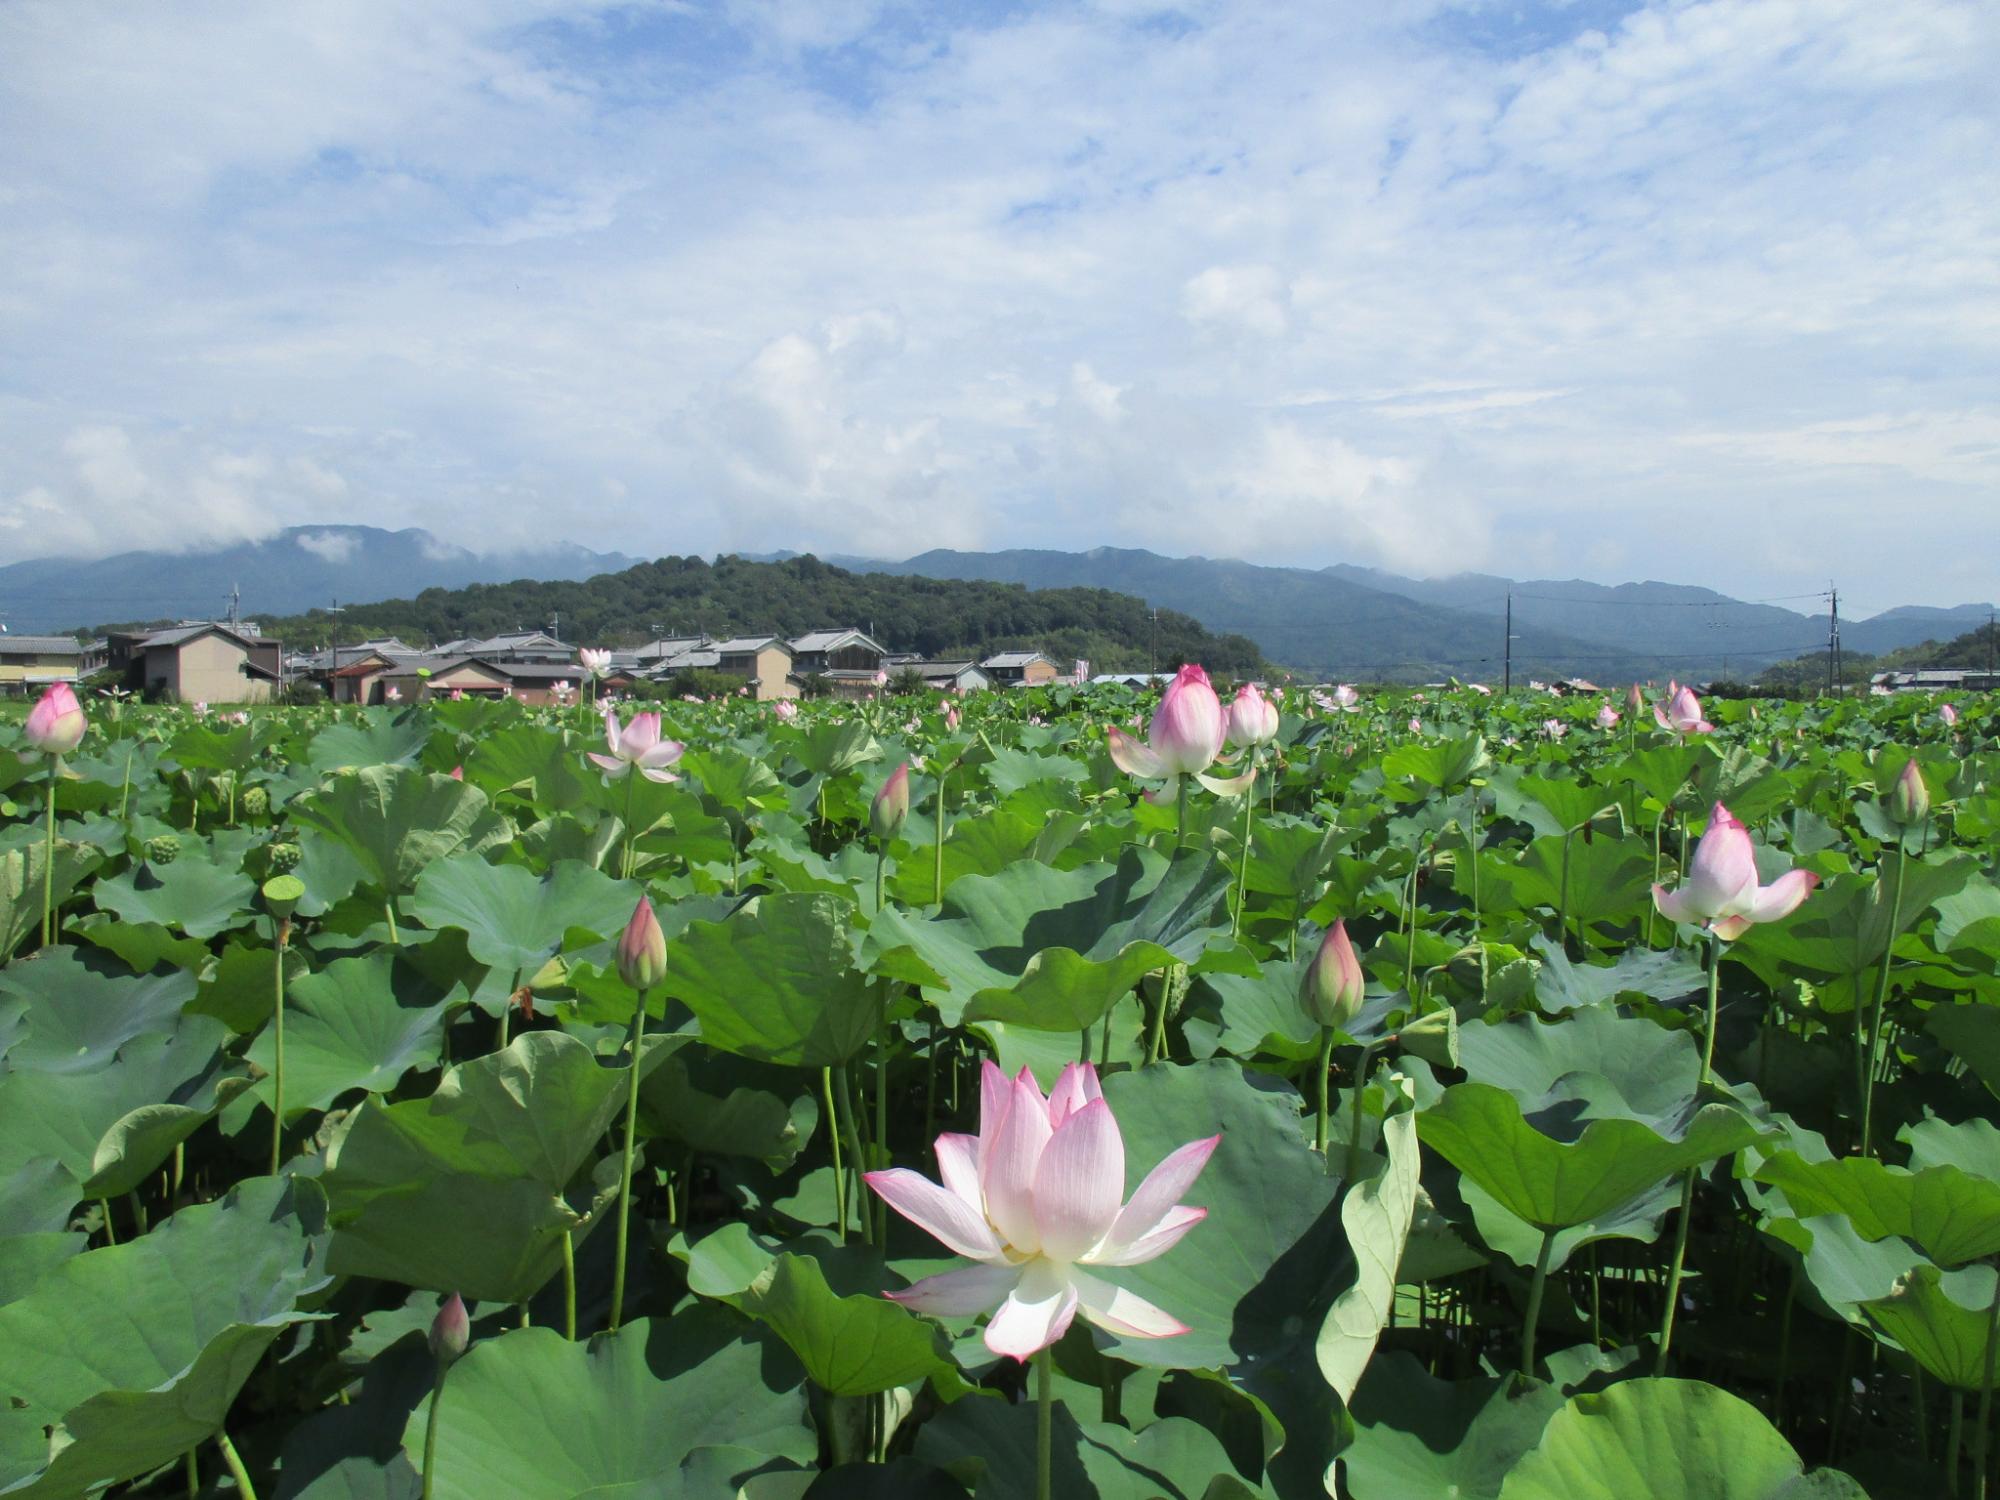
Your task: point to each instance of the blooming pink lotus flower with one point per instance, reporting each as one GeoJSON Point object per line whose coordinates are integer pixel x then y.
{"type": "Point", "coordinates": [642, 948]}
{"type": "Point", "coordinates": [394, 695]}
{"type": "Point", "coordinates": [56, 722]}
{"type": "Point", "coordinates": [1555, 729]}
{"type": "Point", "coordinates": [562, 691]}
{"type": "Point", "coordinates": [1252, 719]}
{"type": "Point", "coordinates": [1681, 712]}
{"type": "Point", "coordinates": [458, 773]}
{"type": "Point", "coordinates": [1607, 716]}
{"type": "Point", "coordinates": [1948, 714]}
{"type": "Point", "coordinates": [593, 661]}
{"type": "Point", "coordinates": [1416, 725]}
{"type": "Point", "coordinates": [638, 744]}
{"type": "Point", "coordinates": [1721, 891]}
{"type": "Point", "coordinates": [1185, 736]}
{"type": "Point", "coordinates": [458, 695]}
{"type": "Point", "coordinates": [1034, 1198]}
{"type": "Point", "coordinates": [786, 710]}
{"type": "Point", "coordinates": [1346, 699]}
{"type": "Point", "coordinates": [881, 678]}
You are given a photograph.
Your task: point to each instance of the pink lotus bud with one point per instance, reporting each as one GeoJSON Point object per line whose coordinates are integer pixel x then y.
{"type": "Point", "coordinates": [1910, 800]}
{"type": "Point", "coordinates": [1607, 716]}
{"type": "Point", "coordinates": [1681, 712]}
{"type": "Point", "coordinates": [1188, 727]}
{"type": "Point", "coordinates": [891, 805]}
{"type": "Point", "coordinates": [642, 949]}
{"type": "Point", "coordinates": [1949, 714]}
{"type": "Point", "coordinates": [1332, 986]}
{"type": "Point", "coordinates": [56, 722]}
{"type": "Point", "coordinates": [1634, 699]}
{"type": "Point", "coordinates": [451, 1331]}
{"type": "Point", "coordinates": [786, 710]}
{"type": "Point", "coordinates": [951, 719]}
{"type": "Point", "coordinates": [458, 773]}
{"type": "Point", "coordinates": [1416, 725]}
{"type": "Point", "coordinates": [1253, 719]}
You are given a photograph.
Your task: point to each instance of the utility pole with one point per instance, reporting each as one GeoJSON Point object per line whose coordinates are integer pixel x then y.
{"type": "Point", "coordinates": [1832, 633]}
{"type": "Point", "coordinates": [1154, 655]}
{"type": "Point", "coordinates": [1507, 651]}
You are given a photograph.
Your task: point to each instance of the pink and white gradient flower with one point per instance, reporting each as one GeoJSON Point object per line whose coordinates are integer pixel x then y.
{"type": "Point", "coordinates": [56, 723]}
{"type": "Point", "coordinates": [1681, 712]}
{"type": "Point", "coordinates": [1252, 719]}
{"type": "Point", "coordinates": [784, 710]}
{"type": "Point", "coordinates": [1035, 1198]}
{"type": "Point", "coordinates": [595, 663]}
{"type": "Point", "coordinates": [637, 744]}
{"type": "Point", "coordinates": [1607, 716]}
{"type": "Point", "coordinates": [1184, 738]}
{"type": "Point", "coordinates": [1721, 892]}
{"type": "Point", "coordinates": [1346, 699]}
{"type": "Point", "coordinates": [1948, 715]}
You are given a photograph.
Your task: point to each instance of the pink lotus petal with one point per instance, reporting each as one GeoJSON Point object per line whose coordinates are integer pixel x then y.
{"type": "Point", "coordinates": [1155, 1198]}
{"type": "Point", "coordinates": [1007, 1172]}
{"type": "Point", "coordinates": [1079, 1182]}
{"type": "Point", "coordinates": [1132, 757]}
{"type": "Point", "coordinates": [1036, 1313]}
{"type": "Point", "coordinates": [996, 1092]}
{"type": "Point", "coordinates": [944, 1216]}
{"type": "Point", "coordinates": [1783, 896]}
{"type": "Point", "coordinates": [1156, 1241]}
{"type": "Point", "coordinates": [613, 767]}
{"type": "Point", "coordinates": [958, 1168]}
{"type": "Point", "coordinates": [1076, 1087]}
{"type": "Point", "coordinates": [1118, 1311]}
{"type": "Point", "coordinates": [961, 1293]}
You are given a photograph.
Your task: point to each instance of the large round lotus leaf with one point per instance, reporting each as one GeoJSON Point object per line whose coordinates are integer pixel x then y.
{"type": "Point", "coordinates": [378, 741]}
{"type": "Point", "coordinates": [212, 1287]}
{"type": "Point", "coordinates": [1842, 1269]}
{"type": "Point", "coordinates": [776, 982]}
{"type": "Point", "coordinates": [1547, 805]}
{"type": "Point", "coordinates": [1942, 1318]}
{"type": "Point", "coordinates": [533, 1416]}
{"type": "Point", "coordinates": [397, 821]}
{"type": "Point", "coordinates": [1608, 877]}
{"type": "Point", "coordinates": [1555, 1184]}
{"type": "Point", "coordinates": [1973, 1146]}
{"type": "Point", "coordinates": [464, 1191]}
{"type": "Point", "coordinates": [1971, 1033]}
{"type": "Point", "coordinates": [1416, 1438]}
{"type": "Point", "coordinates": [1952, 1214]}
{"type": "Point", "coordinates": [191, 894]}
{"type": "Point", "coordinates": [111, 1127]}
{"type": "Point", "coordinates": [216, 747]}
{"type": "Point", "coordinates": [1054, 949]}
{"type": "Point", "coordinates": [1668, 975]}
{"type": "Point", "coordinates": [1667, 1440]}
{"type": "Point", "coordinates": [850, 1346]}
{"type": "Point", "coordinates": [359, 1023]}
{"type": "Point", "coordinates": [70, 1012]}
{"type": "Point", "coordinates": [1654, 1072]}
{"type": "Point", "coordinates": [514, 921]}
{"type": "Point", "coordinates": [21, 880]}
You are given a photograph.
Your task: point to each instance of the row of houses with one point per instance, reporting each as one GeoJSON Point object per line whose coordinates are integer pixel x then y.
{"type": "Point", "coordinates": [218, 661]}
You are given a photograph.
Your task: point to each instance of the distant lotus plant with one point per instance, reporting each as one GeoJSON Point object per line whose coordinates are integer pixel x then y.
{"type": "Point", "coordinates": [1681, 712]}
{"type": "Point", "coordinates": [1187, 733]}
{"type": "Point", "coordinates": [55, 727]}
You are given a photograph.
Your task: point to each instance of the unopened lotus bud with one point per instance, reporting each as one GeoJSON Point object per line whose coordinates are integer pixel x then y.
{"type": "Point", "coordinates": [1434, 1038]}
{"type": "Point", "coordinates": [451, 1331]}
{"type": "Point", "coordinates": [283, 858]}
{"type": "Point", "coordinates": [891, 806]}
{"type": "Point", "coordinates": [56, 723]}
{"type": "Point", "coordinates": [642, 950]}
{"type": "Point", "coordinates": [255, 802]}
{"type": "Point", "coordinates": [162, 849]}
{"type": "Point", "coordinates": [1910, 799]}
{"type": "Point", "coordinates": [1331, 988]}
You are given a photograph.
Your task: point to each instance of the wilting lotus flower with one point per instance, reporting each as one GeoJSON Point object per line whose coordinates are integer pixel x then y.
{"type": "Point", "coordinates": [638, 744]}
{"type": "Point", "coordinates": [786, 710]}
{"type": "Point", "coordinates": [595, 662]}
{"type": "Point", "coordinates": [1035, 1198]}
{"type": "Point", "coordinates": [1607, 716]}
{"type": "Point", "coordinates": [1948, 714]}
{"type": "Point", "coordinates": [642, 948]}
{"type": "Point", "coordinates": [1721, 891]}
{"type": "Point", "coordinates": [56, 722]}
{"type": "Point", "coordinates": [1252, 719]}
{"type": "Point", "coordinates": [1184, 738]}
{"type": "Point", "coordinates": [1681, 712]}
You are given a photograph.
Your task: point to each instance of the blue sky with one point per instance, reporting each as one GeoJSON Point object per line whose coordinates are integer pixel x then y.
{"type": "Point", "coordinates": [1706, 290]}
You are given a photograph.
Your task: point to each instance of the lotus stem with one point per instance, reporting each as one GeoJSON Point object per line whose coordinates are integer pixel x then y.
{"type": "Point", "coordinates": [1534, 1314]}
{"type": "Point", "coordinates": [389, 911]}
{"type": "Point", "coordinates": [569, 1285]}
{"type": "Point", "coordinates": [833, 1137]}
{"type": "Point", "coordinates": [242, 1475]}
{"type": "Point", "coordinates": [1180, 811]}
{"type": "Point", "coordinates": [1325, 1069]}
{"type": "Point", "coordinates": [1674, 1273]}
{"type": "Point", "coordinates": [1873, 1052]}
{"type": "Point", "coordinates": [851, 1122]}
{"type": "Point", "coordinates": [1562, 894]}
{"type": "Point", "coordinates": [1044, 1422]}
{"type": "Point", "coordinates": [937, 850]}
{"type": "Point", "coordinates": [49, 864]}
{"type": "Point", "coordinates": [1714, 999]}
{"type": "Point", "coordinates": [631, 785]}
{"type": "Point", "coordinates": [625, 1165]}
{"type": "Point", "coordinates": [1979, 1435]}
{"type": "Point", "coordinates": [882, 1118]}
{"type": "Point", "coordinates": [1954, 1441]}
{"type": "Point", "coordinates": [431, 1430]}
{"type": "Point", "coordinates": [284, 937]}
{"type": "Point", "coordinates": [1472, 848]}
{"type": "Point", "coordinates": [1243, 867]}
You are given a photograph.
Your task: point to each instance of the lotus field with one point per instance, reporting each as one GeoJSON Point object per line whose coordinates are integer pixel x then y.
{"type": "Point", "coordinates": [1058, 1093]}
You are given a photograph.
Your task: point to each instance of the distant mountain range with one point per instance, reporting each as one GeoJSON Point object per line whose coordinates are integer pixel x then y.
{"type": "Point", "coordinates": [300, 568]}
{"type": "Point", "coordinates": [1361, 622]}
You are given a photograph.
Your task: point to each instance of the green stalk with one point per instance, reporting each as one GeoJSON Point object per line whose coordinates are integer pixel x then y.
{"type": "Point", "coordinates": [49, 864]}
{"type": "Point", "coordinates": [389, 911]}
{"type": "Point", "coordinates": [1562, 894]}
{"type": "Point", "coordinates": [937, 851]}
{"type": "Point", "coordinates": [833, 1137]}
{"type": "Point", "coordinates": [1325, 1068]}
{"type": "Point", "coordinates": [1354, 1119]}
{"type": "Point", "coordinates": [1874, 1048]}
{"type": "Point", "coordinates": [240, 1474]}
{"type": "Point", "coordinates": [278, 1043]}
{"type": "Point", "coordinates": [1714, 996]}
{"type": "Point", "coordinates": [1044, 1422]}
{"type": "Point", "coordinates": [1472, 849]}
{"type": "Point", "coordinates": [1985, 1399]}
{"type": "Point", "coordinates": [1243, 868]}
{"type": "Point", "coordinates": [852, 1123]}
{"type": "Point", "coordinates": [193, 1466]}
{"type": "Point", "coordinates": [124, 798]}
{"type": "Point", "coordinates": [1410, 915]}
{"type": "Point", "coordinates": [1954, 1441]}
{"type": "Point", "coordinates": [1180, 811]}
{"type": "Point", "coordinates": [631, 786]}
{"type": "Point", "coordinates": [1534, 1318]}
{"type": "Point", "coordinates": [1674, 1273]}
{"type": "Point", "coordinates": [569, 1285]}
{"type": "Point", "coordinates": [882, 1120]}
{"type": "Point", "coordinates": [625, 1166]}
{"type": "Point", "coordinates": [431, 1431]}
{"type": "Point", "coordinates": [1662, 818]}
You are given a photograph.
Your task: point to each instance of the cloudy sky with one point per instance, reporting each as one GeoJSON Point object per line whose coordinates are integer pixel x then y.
{"type": "Point", "coordinates": [1706, 290]}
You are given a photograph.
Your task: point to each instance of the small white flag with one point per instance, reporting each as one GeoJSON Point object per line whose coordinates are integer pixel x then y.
{"type": "Point", "coordinates": [1082, 672]}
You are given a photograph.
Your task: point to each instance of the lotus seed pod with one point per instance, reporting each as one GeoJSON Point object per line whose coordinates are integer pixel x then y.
{"type": "Point", "coordinates": [256, 802]}
{"type": "Point", "coordinates": [163, 849]}
{"type": "Point", "coordinates": [283, 858]}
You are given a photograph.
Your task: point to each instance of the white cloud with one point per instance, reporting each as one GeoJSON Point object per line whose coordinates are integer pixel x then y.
{"type": "Point", "coordinates": [1420, 285]}
{"type": "Point", "coordinates": [329, 546]}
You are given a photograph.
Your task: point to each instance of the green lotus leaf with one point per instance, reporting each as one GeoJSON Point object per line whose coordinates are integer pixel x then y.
{"type": "Point", "coordinates": [397, 821]}
{"type": "Point", "coordinates": [1667, 1440]}
{"type": "Point", "coordinates": [533, 1416]}
{"type": "Point", "coordinates": [1417, 1438]}
{"type": "Point", "coordinates": [850, 1346]}
{"type": "Point", "coordinates": [359, 1023]}
{"type": "Point", "coordinates": [211, 1288]}
{"type": "Point", "coordinates": [1942, 1318]}
{"type": "Point", "coordinates": [1376, 1217]}
{"type": "Point", "coordinates": [379, 741]}
{"type": "Point", "coordinates": [1972, 1034]}
{"type": "Point", "coordinates": [72, 1011]}
{"type": "Point", "coordinates": [217, 746]}
{"type": "Point", "coordinates": [1843, 1270]}
{"type": "Point", "coordinates": [513, 921]}
{"type": "Point", "coordinates": [1669, 975]}
{"type": "Point", "coordinates": [1951, 1214]}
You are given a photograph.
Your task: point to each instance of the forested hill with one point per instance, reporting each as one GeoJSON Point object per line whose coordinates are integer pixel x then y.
{"type": "Point", "coordinates": [942, 619]}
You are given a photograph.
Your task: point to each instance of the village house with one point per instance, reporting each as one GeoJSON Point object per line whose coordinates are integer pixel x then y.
{"type": "Point", "coordinates": [947, 676]}
{"type": "Point", "coordinates": [849, 660]}
{"type": "Point", "coordinates": [1020, 669]}
{"type": "Point", "coordinates": [29, 663]}
{"type": "Point", "coordinates": [200, 661]}
{"type": "Point", "coordinates": [1936, 680]}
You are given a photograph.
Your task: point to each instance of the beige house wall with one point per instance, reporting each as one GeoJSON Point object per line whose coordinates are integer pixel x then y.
{"type": "Point", "coordinates": [208, 669]}
{"type": "Point", "coordinates": [38, 668]}
{"type": "Point", "coordinates": [774, 669]}
{"type": "Point", "coordinates": [1038, 672]}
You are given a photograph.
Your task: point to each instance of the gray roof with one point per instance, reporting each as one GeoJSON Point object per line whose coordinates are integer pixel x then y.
{"type": "Point", "coordinates": [181, 633]}
{"type": "Point", "coordinates": [667, 645]}
{"type": "Point", "coordinates": [829, 640]}
{"type": "Point", "coordinates": [746, 643]}
{"type": "Point", "coordinates": [1017, 659]}
{"type": "Point", "coordinates": [41, 645]}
